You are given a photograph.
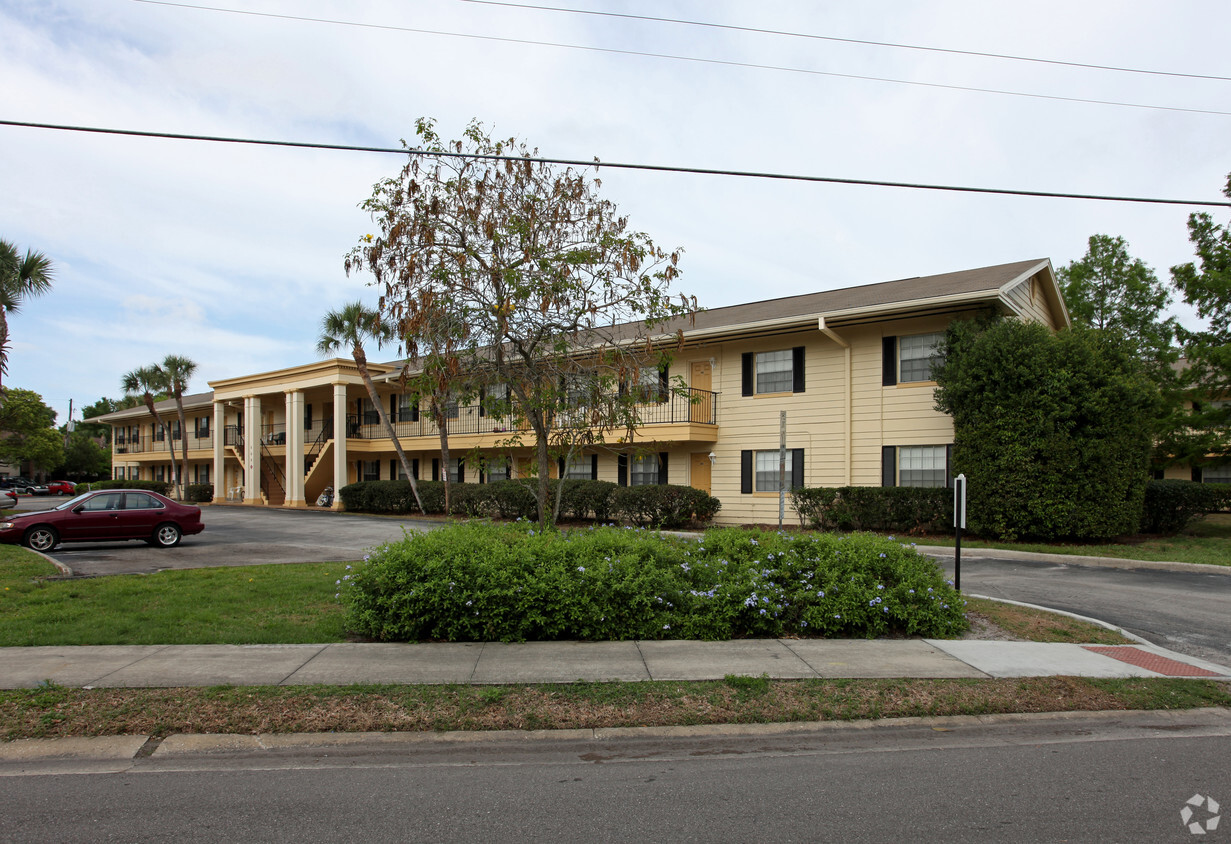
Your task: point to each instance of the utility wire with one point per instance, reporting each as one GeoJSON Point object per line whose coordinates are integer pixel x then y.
{"type": "Point", "coordinates": [812, 37]}
{"type": "Point", "coordinates": [597, 164]}
{"type": "Point", "coordinates": [693, 59]}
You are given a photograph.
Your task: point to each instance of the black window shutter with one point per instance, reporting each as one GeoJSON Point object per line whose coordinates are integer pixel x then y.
{"type": "Point", "coordinates": [662, 383]}
{"type": "Point", "coordinates": [307, 417]}
{"type": "Point", "coordinates": [393, 470]}
{"type": "Point", "coordinates": [797, 369]}
{"type": "Point", "coordinates": [889, 465]}
{"type": "Point", "coordinates": [745, 472]}
{"type": "Point", "coordinates": [662, 467]}
{"type": "Point", "coordinates": [746, 359]}
{"type": "Point", "coordinates": [393, 407]}
{"type": "Point", "coordinates": [797, 468]}
{"type": "Point", "coordinates": [622, 469]}
{"type": "Point", "coordinates": [594, 467]}
{"type": "Point", "coordinates": [560, 468]}
{"type": "Point", "coordinates": [482, 398]}
{"type": "Point", "coordinates": [461, 470]}
{"type": "Point", "coordinates": [414, 408]}
{"type": "Point", "coordinates": [435, 468]}
{"type": "Point", "coordinates": [889, 361]}
{"type": "Point", "coordinates": [949, 466]}
{"type": "Point", "coordinates": [414, 467]}
{"type": "Point", "coordinates": [1196, 474]}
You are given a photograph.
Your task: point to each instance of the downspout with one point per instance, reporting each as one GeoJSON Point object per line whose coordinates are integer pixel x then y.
{"type": "Point", "coordinates": [848, 421]}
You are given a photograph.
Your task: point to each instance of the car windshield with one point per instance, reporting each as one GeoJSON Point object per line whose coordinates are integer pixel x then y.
{"type": "Point", "coordinates": [72, 502]}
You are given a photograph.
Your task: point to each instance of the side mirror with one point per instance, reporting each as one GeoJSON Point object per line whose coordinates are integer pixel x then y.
{"type": "Point", "coordinates": [78, 508]}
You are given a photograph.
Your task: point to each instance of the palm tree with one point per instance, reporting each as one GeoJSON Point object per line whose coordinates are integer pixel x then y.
{"type": "Point", "coordinates": [178, 371]}
{"type": "Point", "coordinates": [350, 327]}
{"type": "Point", "coordinates": [144, 383]}
{"type": "Point", "coordinates": [20, 278]}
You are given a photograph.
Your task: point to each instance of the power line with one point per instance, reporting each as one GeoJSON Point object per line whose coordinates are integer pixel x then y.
{"type": "Point", "coordinates": [810, 36]}
{"type": "Point", "coordinates": [658, 168]}
{"type": "Point", "coordinates": [692, 59]}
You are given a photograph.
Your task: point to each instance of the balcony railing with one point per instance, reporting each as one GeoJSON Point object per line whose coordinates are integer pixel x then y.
{"type": "Point", "coordinates": [148, 444]}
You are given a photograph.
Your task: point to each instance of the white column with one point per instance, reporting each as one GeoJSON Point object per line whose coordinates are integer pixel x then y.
{"type": "Point", "coordinates": [339, 442]}
{"type": "Point", "coordinates": [220, 459]}
{"type": "Point", "coordinates": [294, 449]}
{"type": "Point", "coordinates": [252, 450]}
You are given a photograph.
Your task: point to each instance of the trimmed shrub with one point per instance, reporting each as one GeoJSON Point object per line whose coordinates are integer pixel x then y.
{"type": "Point", "coordinates": [585, 499]}
{"type": "Point", "coordinates": [199, 492]}
{"type": "Point", "coordinates": [484, 582]}
{"type": "Point", "coordinates": [666, 506]}
{"type": "Point", "coordinates": [898, 509]}
{"type": "Point", "coordinates": [1171, 505]}
{"type": "Point", "coordinates": [513, 499]}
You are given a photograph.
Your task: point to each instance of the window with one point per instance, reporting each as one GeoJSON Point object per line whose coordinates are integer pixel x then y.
{"type": "Point", "coordinates": [141, 501]}
{"type": "Point", "coordinates": [580, 468]}
{"type": "Point", "coordinates": [307, 417]}
{"type": "Point", "coordinates": [773, 372]}
{"type": "Point", "coordinates": [202, 426]}
{"type": "Point", "coordinates": [643, 470]}
{"type": "Point", "coordinates": [498, 470]}
{"type": "Point", "coordinates": [201, 473]}
{"type": "Point", "coordinates": [369, 470]}
{"type": "Point", "coordinates": [457, 471]}
{"type": "Point", "coordinates": [106, 501]}
{"type": "Point", "coordinates": [406, 408]}
{"type": "Point", "coordinates": [759, 470]}
{"type": "Point", "coordinates": [917, 465]}
{"type": "Point", "coordinates": [175, 429]}
{"type": "Point", "coordinates": [652, 385]}
{"type": "Point", "coordinates": [494, 400]}
{"type": "Point", "coordinates": [160, 433]}
{"type": "Point", "coordinates": [918, 355]}
{"type": "Point", "coordinates": [368, 414]}
{"type": "Point", "coordinates": [1220, 474]}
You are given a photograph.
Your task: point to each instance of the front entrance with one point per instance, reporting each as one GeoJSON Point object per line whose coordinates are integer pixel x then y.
{"type": "Point", "coordinates": [699, 472]}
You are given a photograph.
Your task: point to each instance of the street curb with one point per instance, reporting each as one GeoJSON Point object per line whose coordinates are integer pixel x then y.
{"type": "Point", "coordinates": [180, 746]}
{"type": "Point", "coordinates": [1073, 560]}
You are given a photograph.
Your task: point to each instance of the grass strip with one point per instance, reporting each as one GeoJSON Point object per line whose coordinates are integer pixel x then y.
{"type": "Point", "coordinates": [1033, 625]}
{"type": "Point", "coordinates": [1206, 541]}
{"type": "Point", "coordinates": [52, 711]}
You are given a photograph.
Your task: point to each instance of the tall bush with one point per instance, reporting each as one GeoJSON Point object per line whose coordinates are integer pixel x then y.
{"type": "Point", "coordinates": [1053, 431]}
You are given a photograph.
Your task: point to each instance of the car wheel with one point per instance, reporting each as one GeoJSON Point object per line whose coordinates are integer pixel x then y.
{"type": "Point", "coordinates": [41, 538]}
{"type": "Point", "coordinates": [166, 536]}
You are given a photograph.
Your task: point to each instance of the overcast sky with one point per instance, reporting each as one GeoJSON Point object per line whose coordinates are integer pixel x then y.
{"type": "Point", "coordinates": [231, 254]}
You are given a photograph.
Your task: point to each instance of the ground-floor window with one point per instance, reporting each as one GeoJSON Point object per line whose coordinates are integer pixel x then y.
{"type": "Point", "coordinates": [201, 473]}
{"type": "Point", "coordinates": [498, 470]}
{"type": "Point", "coordinates": [1219, 474]}
{"type": "Point", "coordinates": [759, 470]}
{"type": "Point", "coordinates": [923, 465]}
{"type": "Point", "coordinates": [369, 470]}
{"type": "Point", "coordinates": [643, 470]}
{"type": "Point", "coordinates": [580, 468]}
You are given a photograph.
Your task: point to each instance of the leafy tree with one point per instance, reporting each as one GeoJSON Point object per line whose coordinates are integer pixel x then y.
{"type": "Point", "coordinates": [20, 278]}
{"type": "Point", "coordinates": [149, 384]}
{"type": "Point", "coordinates": [1113, 292]}
{"type": "Point", "coordinates": [1206, 285]}
{"type": "Point", "coordinates": [350, 326]}
{"type": "Point", "coordinates": [27, 432]}
{"type": "Point", "coordinates": [177, 372]}
{"type": "Point", "coordinates": [556, 297]}
{"type": "Point", "coordinates": [84, 458]}
{"type": "Point", "coordinates": [1053, 431]}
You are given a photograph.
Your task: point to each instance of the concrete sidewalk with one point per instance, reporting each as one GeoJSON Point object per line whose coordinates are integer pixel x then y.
{"type": "Point", "coordinates": [136, 666]}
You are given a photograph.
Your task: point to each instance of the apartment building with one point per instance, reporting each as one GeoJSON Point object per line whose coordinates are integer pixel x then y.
{"type": "Point", "coordinates": [850, 368]}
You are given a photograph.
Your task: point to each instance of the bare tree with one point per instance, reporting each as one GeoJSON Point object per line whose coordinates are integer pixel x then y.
{"type": "Point", "coordinates": [557, 298]}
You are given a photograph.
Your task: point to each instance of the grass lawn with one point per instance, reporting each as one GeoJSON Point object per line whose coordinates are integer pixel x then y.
{"type": "Point", "coordinates": [1206, 540]}
{"type": "Point", "coordinates": [274, 604]}
{"type": "Point", "coordinates": [56, 711]}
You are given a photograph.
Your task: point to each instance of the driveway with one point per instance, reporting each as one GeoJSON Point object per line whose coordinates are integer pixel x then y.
{"type": "Point", "coordinates": [244, 536]}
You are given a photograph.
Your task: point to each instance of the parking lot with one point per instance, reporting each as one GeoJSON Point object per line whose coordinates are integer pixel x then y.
{"type": "Point", "coordinates": [237, 536]}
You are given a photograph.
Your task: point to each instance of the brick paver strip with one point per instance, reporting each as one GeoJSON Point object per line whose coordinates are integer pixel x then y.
{"type": "Point", "coordinates": [1150, 661]}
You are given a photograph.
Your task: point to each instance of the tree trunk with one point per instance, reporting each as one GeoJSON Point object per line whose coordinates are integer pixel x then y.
{"type": "Point", "coordinates": [361, 362]}
{"type": "Point", "coordinates": [179, 408]}
{"type": "Point", "coordinates": [442, 425]}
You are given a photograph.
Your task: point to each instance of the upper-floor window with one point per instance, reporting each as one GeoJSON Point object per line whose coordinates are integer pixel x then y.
{"type": "Point", "coordinates": [918, 354]}
{"type": "Point", "coordinates": [780, 371]}
{"type": "Point", "coordinates": [202, 427]}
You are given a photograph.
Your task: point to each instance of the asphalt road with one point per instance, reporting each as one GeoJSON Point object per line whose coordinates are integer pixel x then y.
{"type": "Point", "coordinates": [1184, 611]}
{"type": "Point", "coordinates": [1095, 777]}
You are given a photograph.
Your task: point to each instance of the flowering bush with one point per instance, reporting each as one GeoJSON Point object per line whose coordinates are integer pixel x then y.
{"type": "Point", "coordinates": [482, 582]}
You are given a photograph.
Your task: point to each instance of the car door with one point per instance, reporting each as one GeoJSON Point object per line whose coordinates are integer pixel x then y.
{"type": "Point", "coordinates": [142, 512]}
{"type": "Point", "coordinates": [98, 517]}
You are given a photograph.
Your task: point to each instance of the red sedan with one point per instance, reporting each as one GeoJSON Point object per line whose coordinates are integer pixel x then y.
{"type": "Point", "coordinates": [105, 515]}
{"type": "Point", "coordinates": [61, 488]}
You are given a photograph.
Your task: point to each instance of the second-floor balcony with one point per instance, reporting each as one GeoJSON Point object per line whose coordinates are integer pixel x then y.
{"type": "Point", "coordinates": [666, 408]}
{"type": "Point", "coordinates": [146, 444]}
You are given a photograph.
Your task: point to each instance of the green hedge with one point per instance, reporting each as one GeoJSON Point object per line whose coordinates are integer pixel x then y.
{"type": "Point", "coordinates": [656, 506]}
{"type": "Point", "coordinates": [898, 509]}
{"type": "Point", "coordinates": [1171, 505]}
{"type": "Point", "coordinates": [199, 492]}
{"type": "Point", "coordinates": [486, 582]}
